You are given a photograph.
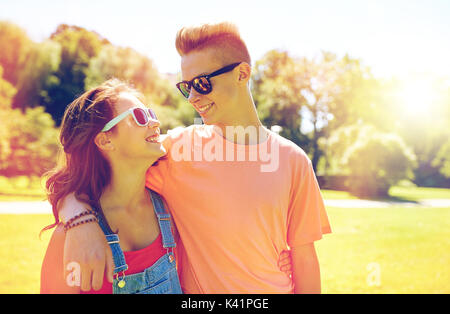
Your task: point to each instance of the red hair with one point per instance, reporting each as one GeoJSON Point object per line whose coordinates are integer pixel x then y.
{"type": "Point", "coordinates": [82, 169]}
{"type": "Point", "coordinates": [223, 37]}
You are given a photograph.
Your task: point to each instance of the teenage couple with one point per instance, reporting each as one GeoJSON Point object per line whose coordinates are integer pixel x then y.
{"type": "Point", "coordinates": [233, 220]}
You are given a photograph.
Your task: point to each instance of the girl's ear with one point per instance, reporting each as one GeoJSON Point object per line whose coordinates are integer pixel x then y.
{"type": "Point", "coordinates": [103, 141]}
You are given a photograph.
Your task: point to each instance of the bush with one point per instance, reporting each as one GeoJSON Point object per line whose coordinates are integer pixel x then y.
{"type": "Point", "coordinates": [442, 159]}
{"type": "Point", "coordinates": [374, 161]}
{"type": "Point", "coordinates": [29, 144]}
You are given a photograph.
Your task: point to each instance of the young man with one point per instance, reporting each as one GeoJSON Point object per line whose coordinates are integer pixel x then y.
{"type": "Point", "coordinates": [239, 193]}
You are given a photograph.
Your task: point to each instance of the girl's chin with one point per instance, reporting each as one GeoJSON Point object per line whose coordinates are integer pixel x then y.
{"type": "Point", "coordinates": [161, 151]}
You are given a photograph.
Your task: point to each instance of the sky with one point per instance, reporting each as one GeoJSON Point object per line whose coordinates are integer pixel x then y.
{"type": "Point", "coordinates": [392, 37]}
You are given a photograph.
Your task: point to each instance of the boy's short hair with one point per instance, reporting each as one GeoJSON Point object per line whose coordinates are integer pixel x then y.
{"type": "Point", "coordinates": [223, 37]}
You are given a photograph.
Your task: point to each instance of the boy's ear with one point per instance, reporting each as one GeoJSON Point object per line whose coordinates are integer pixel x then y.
{"type": "Point", "coordinates": [103, 141]}
{"type": "Point", "coordinates": [245, 72]}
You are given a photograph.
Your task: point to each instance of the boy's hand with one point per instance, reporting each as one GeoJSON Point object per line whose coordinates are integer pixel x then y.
{"type": "Point", "coordinates": [86, 245]}
{"type": "Point", "coordinates": [285, 262]}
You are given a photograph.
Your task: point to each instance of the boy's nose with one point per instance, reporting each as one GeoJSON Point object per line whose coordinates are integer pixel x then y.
{"type": "Point", "coordinates": [194, 96]}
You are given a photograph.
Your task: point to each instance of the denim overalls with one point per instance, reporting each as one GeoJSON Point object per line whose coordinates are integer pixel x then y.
{"type": "Point", "coordinates": [162, 276]}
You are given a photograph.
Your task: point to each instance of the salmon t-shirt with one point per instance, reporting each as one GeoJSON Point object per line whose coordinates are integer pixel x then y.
{"type": "Point", "coordinates": [236, 208]}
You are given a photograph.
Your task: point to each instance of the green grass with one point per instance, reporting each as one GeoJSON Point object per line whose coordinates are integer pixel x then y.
{"type": "Point", "coordinates": [32, 189]}
{"type": "Point", "coordinates": [411, 246]}
{"type": "Point", "coordinates": [337, 195]}
{"type": "Point", "coordinates": [418, 193]}
{"type": "Point", "coordinates": [396, 193]}
{"type": "Point", "coordinates": [22, 252]}
{"type": "Point", "coordinates": [21, 189]}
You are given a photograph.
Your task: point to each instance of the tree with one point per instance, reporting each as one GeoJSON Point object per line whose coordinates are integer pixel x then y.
{"type": "Point", "coordinates": [15, 45]}
{"type": "Point", "coordinates": [373, 160]}
{"type": "Point", "coordinates": [138, 70]}
{"type": "Point", "coordinates": [276, 88]}
{"type": "Point", "coordinates": [442, 160]}
{"type": "Point", "coordinates": [38, 75]}
{"type": "Point", "coordinates": [7, 92]}
{"type": "Point", "coordinates": [78, 47]}
{"type": "Point", "coordinates": [318, 94]}
{"type": "Point", "coordinates": [29, 142]}
{"type": "Point", "coordinates": [420, 106]}
{"type": "Point", "coordinates": [125, 64]}
{"type": "Point", "coordinates": [338, 91]}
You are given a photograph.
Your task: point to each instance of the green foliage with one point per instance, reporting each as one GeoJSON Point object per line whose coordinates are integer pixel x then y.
{"type": "Point", "coordinates": [374, 161]}
{"type": "Point", "coordinates": [28, 143]}
{"type": "Point", "coordinates": [28, 139]}
{"type": "Point", "coordinates": [310, 98]}
{"type": "Point", "coordinates": [136, 69]}
{"type": "Point", "coordinates": [442, 160]}
{"type": "Point", "coordinates": [427, 132]}
{"type": "Point", "coordinates": [78, 47]}
{"type": "Point", "coordinates": [170, 118]}
{"type": "Point", "coordinates": [185, 112]}
{"type": "Point", "coordinates": [276, 86]}
{"type": "Point", "coordinates": [124, 64]}
{"type": "Point", "coordinates": [7, 92]}
{"type": "Point", "coordinates": [323, 93]}
{"type": "Point", "coordinates": [14, 48]}
{"type": "Point", "coordinates": [51, 74]}
{"type": "Point", "coordinates": [38, 75]}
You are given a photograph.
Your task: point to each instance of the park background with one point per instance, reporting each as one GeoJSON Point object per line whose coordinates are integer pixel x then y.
{"type": "Point", "coordinates": [362, 86]}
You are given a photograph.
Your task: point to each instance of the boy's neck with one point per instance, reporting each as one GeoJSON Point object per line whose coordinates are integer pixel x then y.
{"type": "Point", "coordinates": [245, 128]}
{"type": "Point", "coordinates": [243, 132]}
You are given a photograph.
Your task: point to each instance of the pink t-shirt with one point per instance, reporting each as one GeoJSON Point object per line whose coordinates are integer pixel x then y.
{"type": "Point", "coordinates": [235, 213]}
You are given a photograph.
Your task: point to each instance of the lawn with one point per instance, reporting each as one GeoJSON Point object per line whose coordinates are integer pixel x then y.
{"type": "Point", "coordinates": [386, 250]}
{"type": "Point", "coordinates": [396, 193]}
{"type": "Point", "coordinates": [410, 248]}
{"type": "Point", "coordinates": [21, 252]}
{"type": "Point", "coordinates": [21, 188]}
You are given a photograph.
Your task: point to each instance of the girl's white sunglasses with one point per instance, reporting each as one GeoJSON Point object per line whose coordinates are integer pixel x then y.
{"type": "Point", "coordinates": [141, 117]}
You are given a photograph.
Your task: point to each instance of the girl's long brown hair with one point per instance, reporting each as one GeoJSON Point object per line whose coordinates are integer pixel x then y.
{"type": "Point", "coordinates": [82, 169]}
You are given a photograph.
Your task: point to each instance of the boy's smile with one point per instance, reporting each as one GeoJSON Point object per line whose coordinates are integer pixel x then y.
{"type": "Point", "coordinates": [203, 110]}
{"type": "Point", "coordinates": [215, 106]}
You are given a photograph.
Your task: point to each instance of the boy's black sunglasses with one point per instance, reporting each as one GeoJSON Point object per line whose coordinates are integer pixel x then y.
{"type": "Point", "coordinates": [201, 83]}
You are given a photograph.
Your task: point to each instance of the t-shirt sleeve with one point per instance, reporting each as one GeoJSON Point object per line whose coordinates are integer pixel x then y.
{"type": "Point", "coordinates": [307, 217]}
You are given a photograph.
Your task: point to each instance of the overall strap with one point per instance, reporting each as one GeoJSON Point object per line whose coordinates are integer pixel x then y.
{"type": "Point", "coordinates": [113, 240]}
{"type": "Point", "coordinates": [163, 219]}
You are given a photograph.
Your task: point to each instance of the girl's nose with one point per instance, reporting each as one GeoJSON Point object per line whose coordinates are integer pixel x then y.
{"type": "Point", "coordinates": [153, 123]}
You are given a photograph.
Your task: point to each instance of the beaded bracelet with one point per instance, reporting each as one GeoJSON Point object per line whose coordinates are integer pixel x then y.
{"type": "Point", "coordinates": [87, 212]}
{"type": "Point", "coordinates": [78, 223]}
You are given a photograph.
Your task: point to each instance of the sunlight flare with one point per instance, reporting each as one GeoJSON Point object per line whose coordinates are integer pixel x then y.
{"type": "Point", "coordinates": [417, 96]}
